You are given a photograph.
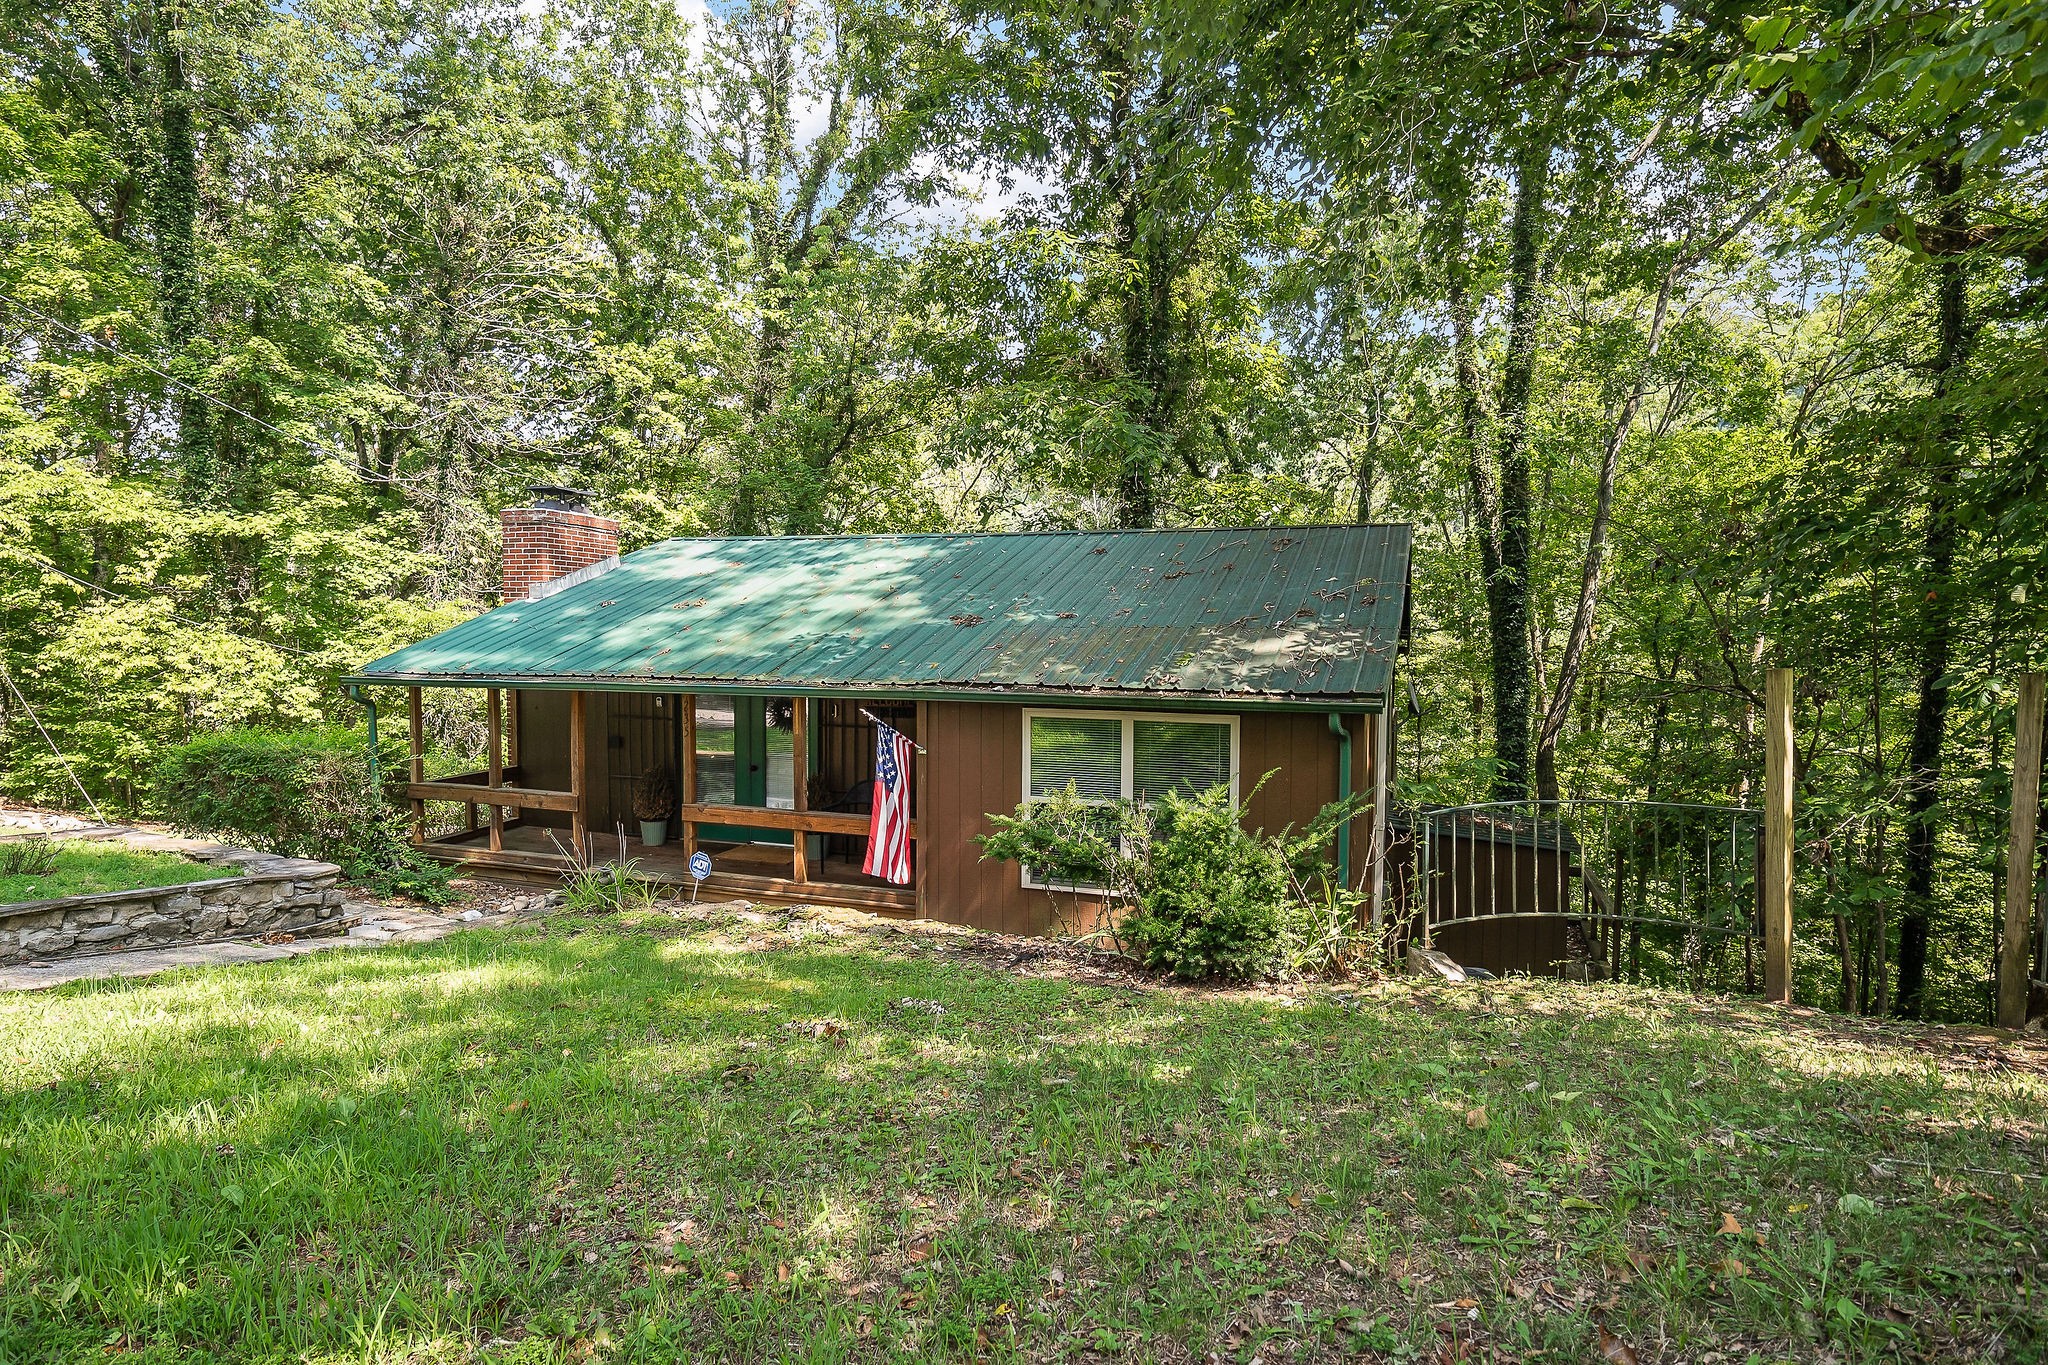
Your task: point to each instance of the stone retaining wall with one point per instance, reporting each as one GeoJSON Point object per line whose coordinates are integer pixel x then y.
{"type": "Point", "coordinates": [273, 895]}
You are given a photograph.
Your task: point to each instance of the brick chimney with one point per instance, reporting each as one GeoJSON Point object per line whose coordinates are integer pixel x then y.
{"type": "Point", "coordinates": [553, 537]}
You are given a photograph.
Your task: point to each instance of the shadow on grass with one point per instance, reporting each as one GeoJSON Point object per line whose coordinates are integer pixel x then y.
{"type": "Point", "coordinates": [620, 1142]}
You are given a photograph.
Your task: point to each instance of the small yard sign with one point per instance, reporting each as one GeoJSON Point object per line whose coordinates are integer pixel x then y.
{"type": "Point", "coordinates": [700, 868]}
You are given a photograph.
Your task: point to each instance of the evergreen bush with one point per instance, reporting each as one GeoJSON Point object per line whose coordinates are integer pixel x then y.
{"type": "Point", "coordinates": [1210, 893]}
{"type": "Point", "coordinates": [1190, 890]}
{"type": "Point", "coordinates": [302, 793]}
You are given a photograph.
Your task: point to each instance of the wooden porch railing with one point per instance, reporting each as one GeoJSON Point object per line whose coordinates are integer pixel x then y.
{"type": "Point", "coordinates": [478, 790]}
{"type": "Point", "coordinates": [768, 817]}
{"type": "Point", "coordinates": [497, 787]}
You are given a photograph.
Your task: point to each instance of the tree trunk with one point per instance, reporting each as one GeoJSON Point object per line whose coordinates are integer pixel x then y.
{"type": "Point", "coordinates": [1508, 587]}
{"type": "Point", "coordinates": [1148, 361]}
{"type": "Point", "coordinates": [1937, 628]}
{"type": "Point", "coordinates": [1580, 638]}
{"type": "Point", "coordinates": [1151, 266]}
{"type": "Point", "coordinates": [1369, 463]}
{"type": "Point", "coordinates": [181, 305]}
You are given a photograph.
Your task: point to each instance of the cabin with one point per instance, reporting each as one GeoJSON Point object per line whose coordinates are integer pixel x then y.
{"type": "Point", "coordinates": [752, 671]}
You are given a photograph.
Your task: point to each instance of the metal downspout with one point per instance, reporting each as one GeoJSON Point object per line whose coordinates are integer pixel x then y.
{"type": "Point", "coordinates": [355, 693]}
{"type": "Point", "coordinates": [1343, 794]}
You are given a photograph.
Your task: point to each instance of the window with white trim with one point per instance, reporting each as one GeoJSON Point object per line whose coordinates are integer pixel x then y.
{"type": "Point", "coordinates": [1108, 756]}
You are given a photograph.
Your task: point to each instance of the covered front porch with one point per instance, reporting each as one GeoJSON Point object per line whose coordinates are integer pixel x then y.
{"type": "Point", "coordinates": [774, 789]}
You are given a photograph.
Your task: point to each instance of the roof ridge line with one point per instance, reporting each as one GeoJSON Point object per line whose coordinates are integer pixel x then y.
{"type": "Point", "coordinates": [995, 535]}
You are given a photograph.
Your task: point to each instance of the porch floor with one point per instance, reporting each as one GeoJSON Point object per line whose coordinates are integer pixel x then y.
{"type": "Point", "coordinates": [755, 871]}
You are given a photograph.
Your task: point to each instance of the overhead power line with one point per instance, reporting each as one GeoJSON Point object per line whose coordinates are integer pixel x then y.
{"type": "Point", "coordinates": [181, 620]}
{"type": "Point", "coordinates": [62, 761]}
{"type": "Point", "coordinates": [301, 442]}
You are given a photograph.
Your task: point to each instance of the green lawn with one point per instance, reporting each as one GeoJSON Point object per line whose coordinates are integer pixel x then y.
{"type": "Point", "coordinates": [573, 1141]}
{"type": "Point", "coordinates": [84, 867]}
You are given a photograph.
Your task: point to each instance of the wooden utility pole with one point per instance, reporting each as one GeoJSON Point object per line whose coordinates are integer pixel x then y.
{"type": "Point", "coordinates": [1777, 873]}
{"type": "Point", "coordinates": [2019, 857]}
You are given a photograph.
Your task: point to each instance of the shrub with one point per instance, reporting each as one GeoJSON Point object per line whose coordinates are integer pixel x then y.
{"type": "Point", "coordinates": [1067, 841]}
{"type": "Point", "coordinates": [302, 793]}
{"type": "Point", "coordinates": [35, 856]}
{"type": "Point", "coordinates": [608, 888]}
{"type": "Point", "coordinates": [1210, 893]}
{"type": "Point", "coordinates": [1190, 890]}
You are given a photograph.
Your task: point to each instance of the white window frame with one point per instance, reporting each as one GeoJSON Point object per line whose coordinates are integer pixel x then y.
{"type": "Point", "coordinates": [1127, 780]}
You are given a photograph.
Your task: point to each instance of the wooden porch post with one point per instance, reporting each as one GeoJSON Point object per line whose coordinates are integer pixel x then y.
{"type": "Point", "coordinates": [418, 738]}
{"type": "Point", "coordinates": [2013, 943]}
{"type": "Point", "coordinates": [921, 807]}
{"type": "Point", "coordinates": [800, 782]}
{"type": "Point", "coordinates": [579, 775]}
{"type": "Point", "coordinates": [497, 774]}
{"type": "Point", "coordinates": [517, 817]}
{"type": "Point", "coordinates": [686, 712]}
{"type": "Point", "coordinates": [1777, 872]}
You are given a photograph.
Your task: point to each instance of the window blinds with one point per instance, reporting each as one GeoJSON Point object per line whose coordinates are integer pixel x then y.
{"type": "Point", "coordinates": [1184, 756]}
{"type": "Point", "coordinates": [1085, 751]}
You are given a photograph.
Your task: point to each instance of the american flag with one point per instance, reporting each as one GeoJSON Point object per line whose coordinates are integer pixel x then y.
{"type": "Point", "coordinates": [889, 823]}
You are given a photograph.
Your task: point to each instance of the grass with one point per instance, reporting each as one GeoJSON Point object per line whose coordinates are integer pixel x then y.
{"type": "Point", "coordinates": [83, 868]}
{"type": "Point", "coordinates": [782, 1142]}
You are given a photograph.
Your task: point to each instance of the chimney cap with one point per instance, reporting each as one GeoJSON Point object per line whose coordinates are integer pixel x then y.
{"type": "Point", "coordinates": [556, 497]}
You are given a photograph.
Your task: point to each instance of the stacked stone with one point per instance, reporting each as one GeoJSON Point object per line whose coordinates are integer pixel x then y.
{"type": "Point", "coordinates": [274, 895]}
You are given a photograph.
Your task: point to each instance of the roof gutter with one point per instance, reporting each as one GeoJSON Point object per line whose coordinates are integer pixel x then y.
{"type": "Point", "coordinates": [1372, 702]}
{"type": "Point", "coordinates": [354, 692]}
{"type": "Point", "coordinates": [1343, 794]}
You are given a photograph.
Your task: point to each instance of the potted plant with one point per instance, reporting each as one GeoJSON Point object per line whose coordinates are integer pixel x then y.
{"type": "Point", "coordinates": [654, 796]}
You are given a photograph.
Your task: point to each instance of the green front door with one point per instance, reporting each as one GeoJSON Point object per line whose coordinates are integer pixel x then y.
{"type": "Point", "coordinates": [742, 761]}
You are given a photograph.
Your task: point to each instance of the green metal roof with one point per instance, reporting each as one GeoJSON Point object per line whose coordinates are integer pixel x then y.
{"type": "Point", "coordinates": [1281, 615]}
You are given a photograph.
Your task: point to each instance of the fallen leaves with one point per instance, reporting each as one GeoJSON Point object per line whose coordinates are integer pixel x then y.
{"type": "Point", "coordinates": [1730, 1226]}
{"type": "Point", "coordinates": [1613, 1349]}
{"type": "Point", "coordinates": [822, 1030]}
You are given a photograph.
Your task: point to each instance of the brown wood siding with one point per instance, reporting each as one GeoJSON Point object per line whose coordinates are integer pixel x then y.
{"type": "Point", "coordinates": [544, 753]}
{"type": "Point", "coordinates": [974, 766]}
{"type": "Point", "coordinates": [544, 750]}
{"type": "Point", "coordinates": [1301, 753]}
{"type": "Point", "coordinates": [976, 758]}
